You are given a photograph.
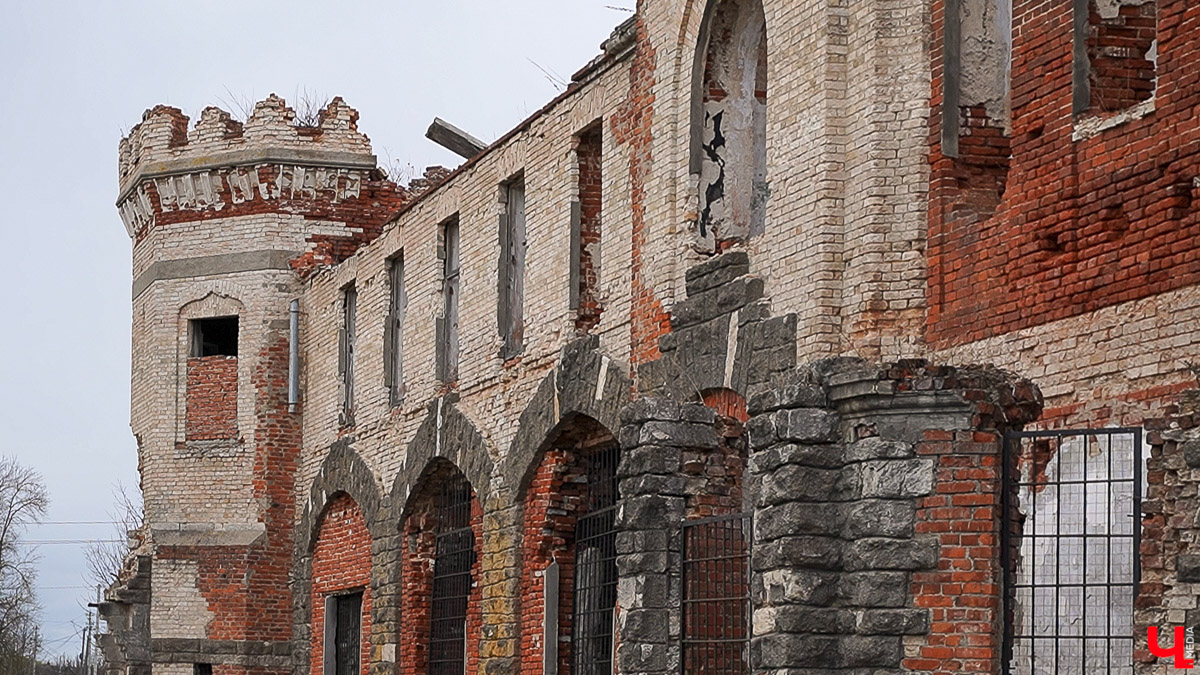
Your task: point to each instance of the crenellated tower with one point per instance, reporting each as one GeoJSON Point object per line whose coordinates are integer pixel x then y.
{"type": "Point", "coordinates": [227, 220]}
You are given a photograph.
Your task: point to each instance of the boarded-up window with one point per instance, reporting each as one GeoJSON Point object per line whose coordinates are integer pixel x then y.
{"type": "Point", "coordinates": [446, 325]}
{"type": "Point", "coordinates": [347, 351]}
{"type": "Point", "coordinates": [393, 337]}
{"type": "Point", "coordinates": [512, 268]}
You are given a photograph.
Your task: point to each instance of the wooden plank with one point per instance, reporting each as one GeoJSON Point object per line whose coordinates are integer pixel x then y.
{"type": "Point", "coordinates": [454, 139]}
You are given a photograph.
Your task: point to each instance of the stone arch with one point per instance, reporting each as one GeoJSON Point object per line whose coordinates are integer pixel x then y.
{"type": "Point", "coordinates": [446, 434]}
{"type": "Point", "coordinates": [424, 548]}
{"type": "Point", "coordinates": [342, 471]}
{"type": "Point", "coordinates": [585, 383]}
{"type": "Point", "coordinates": [728, 123]}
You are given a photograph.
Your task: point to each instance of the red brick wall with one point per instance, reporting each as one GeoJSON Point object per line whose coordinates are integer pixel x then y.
{"type": "Point", "coordinates": [631, 126]}
{"type": "Point", "coordinates": [416, 581]}
{"type": "Point", "coordinates": [341, 562]}
{"type": "Point", "coordinates": [963, 594]}
{"type": "Point", "coordinates": [591, 202]}
{"type": "Point", "coordinates": [552, 505]}
{"type": "Point", "coordinates": [212, 398]}
{"type": "Point", "coordinates": [1077, 225]}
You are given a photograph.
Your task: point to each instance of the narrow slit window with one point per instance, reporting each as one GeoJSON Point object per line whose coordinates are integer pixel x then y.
{"type": "Point", "coordinates": [512, 268]}
{"type": "Point", "coordinates": [447, 324]}
{"type": "Point", "coordinates": [347, 349]}
{"type": "Point", "coordinates": [586, 217]}
{"type": "Point", "coordinates": [394, 331]}
{"type": "Point", "coordinates": [214, 337]}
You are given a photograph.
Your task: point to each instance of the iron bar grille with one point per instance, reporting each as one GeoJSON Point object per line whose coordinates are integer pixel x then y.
{"type": "Point", "coordinates": [596, 568]}
{"type": "Point", "coordinates": [1072, 501]}
{"type": "Point", "coordinates": [453, 558]}
{"type": "Point", "coordinates": [716, 595]}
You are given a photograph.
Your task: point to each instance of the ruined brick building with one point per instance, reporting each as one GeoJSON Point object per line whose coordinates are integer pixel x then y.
{"type": "Point", "coordinates": [795, 336]}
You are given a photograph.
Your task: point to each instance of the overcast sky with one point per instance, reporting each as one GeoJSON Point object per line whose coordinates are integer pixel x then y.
{"type": "Point", "coordinates": [75, 76]}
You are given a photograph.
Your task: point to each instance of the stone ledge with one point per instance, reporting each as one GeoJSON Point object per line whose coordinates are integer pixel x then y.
{"type": "Point", "coordinates": [207, 534]}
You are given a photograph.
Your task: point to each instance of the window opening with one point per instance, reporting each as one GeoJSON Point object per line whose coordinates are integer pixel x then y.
{"type": "Point", "coordinates": [730, 118]}
{"type": "Point", "coordinates": [596, 568]}
{"type": "Point", "coordinates": [454, 556]}
{"type": "Point", "coordinates": [447, 324]}
{"type": "Point", "coordinates": [586, 218]}
{"type": "Point", "coordinates": [348, 351]}
{"type": "Point", "coordinates": [512, 267]}
{"type": "Point", "coordinates": [343, 634]}
{"type": "Point", "coordinates": [1070, 545]}
{"type": "Point", "coordinates": [214, 337]}
{"type": "Point", "coordinates": [394, 331]}
{"type": "Point", "coordinates": [202, 669]}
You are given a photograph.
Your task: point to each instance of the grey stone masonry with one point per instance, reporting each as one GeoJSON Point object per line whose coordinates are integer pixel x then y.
{"type": "Point", "coordinates": [652, 505]}
{"type": "Point", "coordinates": [722, 336]}
{"type": "Point", "coordinates": [837, 484]}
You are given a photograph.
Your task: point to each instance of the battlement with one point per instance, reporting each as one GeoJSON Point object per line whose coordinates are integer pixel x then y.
{"type": "Point", "coordinates": [162, 143]}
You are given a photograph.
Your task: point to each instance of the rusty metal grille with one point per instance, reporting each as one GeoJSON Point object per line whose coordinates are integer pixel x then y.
{"type": "Point", "coordinates": [1070, 550]}
{"type": "Point", "coordinates": [596, 569]}
{"type": "Point", "coordinates": [716, 595]}
{"type": "Point", "coordinates": [453, 558]}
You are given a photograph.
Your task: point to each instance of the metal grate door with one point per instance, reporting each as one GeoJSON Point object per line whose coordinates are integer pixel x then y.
{"type": "Point", "coordinates": [453, 558]}
{"type": "Point", "coordinates": [596, 569]}
{"type": "Point", "coordinates": [1072, 501]}
{"type": "Point", "coordinates": [716, 595]}
{"type": "Point", "coordinates": [347, 638]}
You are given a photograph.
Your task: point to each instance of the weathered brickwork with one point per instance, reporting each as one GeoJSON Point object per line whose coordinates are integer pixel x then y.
{"type": "Point", "coordinates": [212, 398]}
{"type": "Point", "coordinates": [747, 247]}
{"type": "Point", "coordinates": [341, 562]}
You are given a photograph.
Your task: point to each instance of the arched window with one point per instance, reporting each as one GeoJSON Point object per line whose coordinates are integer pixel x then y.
{"type": "Point", "coordinates": [440, 605]}
{"type": "Point", "coordinates": [569, 583]}
{"type": "Point", "coordinates": [454, 556]}
{"type": "Point", "coordinates": [729, 122]}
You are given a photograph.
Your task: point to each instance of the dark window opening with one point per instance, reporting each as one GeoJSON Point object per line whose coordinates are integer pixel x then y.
{"type": "Point", "coordinates": [1071, 537]}
{"type": "Point", "coordinates": [596, 568]}
{"type": "Point", "coordinates": [453, 559]}
{"type": "Point", "coordinates": [202, 669]}
{"type": "Point", "coordinates": [214, 337]}
{"type": "Point", "coordinates": [343, 634]}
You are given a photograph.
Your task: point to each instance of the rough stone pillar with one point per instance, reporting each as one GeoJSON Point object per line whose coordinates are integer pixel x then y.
{"type": "Point", "coordinates": [856, 473]}
{"type": "Point", "coordinates": [652, 506]}
{"type": "Point", "coordinates": [1170, 547]}
{"type": "Point", "coordinates": [500, 576]}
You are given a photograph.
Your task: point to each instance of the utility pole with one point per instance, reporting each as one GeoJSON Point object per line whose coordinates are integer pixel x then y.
{"type": "Point", "coordinates": [85, 652]}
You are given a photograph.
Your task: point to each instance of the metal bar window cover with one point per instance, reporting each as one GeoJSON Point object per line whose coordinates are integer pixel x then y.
{"type": "Point", "coordinates": [596, 568]}
{"type": "Point", "coordinates": [716, 595]}
{"type": "Point", "coordinates": [1071, 534]}
{"type": "Point", "coordinates": [453, 558]}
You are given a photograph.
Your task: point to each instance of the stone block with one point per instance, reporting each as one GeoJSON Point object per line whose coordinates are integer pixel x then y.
{"type": "Point", "coordinates": [802, 551]}
{"type": "Point", "coordinates": [891, 554]}
{"type": "Point", "coordinates": [807, 425]}
{"type": "Point", "coordinates": [797, 518]}
{"type": "Point", "coordinates": [892, 622]}
{"type": "Point", "coordinates": [716, 271]}
{"type": "Point", "coordinates": [890, 479]}
{"type": "Point", "coordinates": [880, 518]}
{"type": "Point", "coordinates": [878, 448]}
{"type": "Point", "coordinates": [874, 589]}
{"type": "Point", "coordinates": [679, 435]}
{"type": "Point", "coordinates": [790, 585]}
